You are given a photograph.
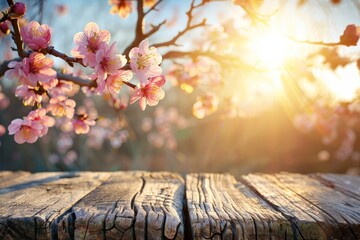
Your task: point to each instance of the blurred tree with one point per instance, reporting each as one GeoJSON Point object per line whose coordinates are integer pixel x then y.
{"type": "Point", "coordinates": [244, 67]}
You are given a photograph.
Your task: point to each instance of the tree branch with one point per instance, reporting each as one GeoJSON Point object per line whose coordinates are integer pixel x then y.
{"type": "Point", "coordinates": [139, 34]}
{"type": "Point", "coordinates": [315, 43]}
{"type": "Point", "coordinates": [154, 29]}
{"type": "Point", "coordinates": [16, 34]}
{"type": "Point", "coordinates": [77, 80]}
{"type": "Point", "coordinates": [181, 33]}
{"type": "Point", "coordinates": [70, 60]}
{"type": "Point", "coordinates": [153, 8]}
{"type": "Point", "coordinates": [84, 82]}
{"type": "Point", "coordinates": [188, 26]}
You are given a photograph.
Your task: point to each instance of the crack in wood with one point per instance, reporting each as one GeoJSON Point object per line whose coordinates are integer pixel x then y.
{"type": "Point", "coordinates": [143, 205]}
{"type": "Point", "coordinates": [282, 208]}
{"type": "Point", "coordinates": [324, 199]}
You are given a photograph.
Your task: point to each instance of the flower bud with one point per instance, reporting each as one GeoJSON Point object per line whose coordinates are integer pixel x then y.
{"type": "Point", "coordinates": [17, 10]}
{"type": "Point", "coordinates": [4, 28]}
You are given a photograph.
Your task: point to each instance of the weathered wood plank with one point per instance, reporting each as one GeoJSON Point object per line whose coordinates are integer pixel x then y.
{"type": "Point", "coordinates": [145, 205]}
{"type": "Point", "coordinates": [8, 178]}
{"type": "Point", "coordinates": [343, 209]}
{"type": "Point", "coordinates": [31, 209]}
{"type": "Point", "coordinates": [130, 205]}
{"type": "Point", "coordinates": [221, 208]}
{"type": "Point", "coordinates": [316, 211]}
{"type": "Point", "coordinates": [347, 184]}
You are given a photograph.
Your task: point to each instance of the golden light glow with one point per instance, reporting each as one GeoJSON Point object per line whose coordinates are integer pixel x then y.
{"type": "Point", "coordinates": [270, 49]}
{"type": "Point", "coordinates": [343, 84]}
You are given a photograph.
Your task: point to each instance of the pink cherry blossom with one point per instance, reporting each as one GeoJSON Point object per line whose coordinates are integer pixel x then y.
{"type": "Point", "coordinates": [205, 105]}
{"type": "Point", "coordinates": [62, 88]}
{"type": "Point", "coordinates": [144, 61]}
{"type": "Point", "coordinates": [115, 82]}
{"type": "Point", "coordinates": [36, 68]}
{"type": "Point", "coordinates": [108, 62]}
{"type": "Point", "coordinates": [88, 42]}
{"type": "Point", "coordinates": [25, 130]}
{"type": "Point", "coordinates": [61, 106]}
{"type": "Point", "coordinates": [32, 127]}
{"type": "Point", "coordinates": [40, 116]}
{"type": "Point", "coordinates": [150, 93]}
{"type": "Point", "coordinates": [36, 36]}
{"type": "Point", "coordinates": [28, 94]}
{"type": "Point", "coordinates": [82, 124]}
{"type": "Point", "coordinates": [50, 85]}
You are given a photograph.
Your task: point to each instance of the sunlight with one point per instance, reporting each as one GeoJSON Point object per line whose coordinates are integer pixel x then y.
{"type": "Point", "coordinates": [343, 83]}
{"type": "Point", "coordinates": [270, 49]}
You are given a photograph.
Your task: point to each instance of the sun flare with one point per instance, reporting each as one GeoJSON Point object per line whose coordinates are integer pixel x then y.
{"type": "Point", "coordinates": [270, 49]}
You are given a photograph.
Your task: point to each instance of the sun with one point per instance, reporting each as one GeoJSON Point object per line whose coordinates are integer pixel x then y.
{"type": "Point", "coordinates": [269, 49]}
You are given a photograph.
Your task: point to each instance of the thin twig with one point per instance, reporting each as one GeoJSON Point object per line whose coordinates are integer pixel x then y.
{"type": "Point", "coordinates": [139, 34]}
{"type": "Point", "coordinates": [70, 60]}
{"type": "Point", "coordinates": [129, 84]}
{"type": "Point", "coordinates": [314, 43]}
{"type": "Point", "coordinates": [154, 29]}
{"type": "Point", "coordinates": [16, 34]}
{"type": "Point", "coordinates": [172, 42]}
{"type": "Point", "coordinates": [153, 8]}
{"type": "Point", "coordinates": [3, 18]}
{"type": "Point", "coordinates": [84, 82]}
{"type": "Point", "coordinates": [189, 26]}
{"type": "Point", "coordinates": [77, 80]}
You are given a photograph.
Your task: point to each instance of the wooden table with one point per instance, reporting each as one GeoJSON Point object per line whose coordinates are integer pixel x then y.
{"type": "Point", "coordinates": [162, 205]}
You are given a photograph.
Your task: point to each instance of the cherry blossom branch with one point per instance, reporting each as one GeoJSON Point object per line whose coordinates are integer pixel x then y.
{"type": "Point", "coordinates": [153, 8]}
{"type": "Point", "coordinates": [129, 84]}
{"type": "Point", "coordinates": [3, 18]}
{"type": "Point", "coordinates": [188, 27]}
{"type": "Point", "coordinates": [139, 34]}
{"type": "Point", "coordinates": [154, 29]}
{"type": "Point", "coordinates": [172, 42]}
{"type": "Point", "coordinates": [315, 43]}
{"type": "Point", "coordinates": [70, 60]}
{"type": "Point", "coordinates": [77, 80]}
{"type": "Point", "coordinates": [84, 82]}
{"type": "Point", "coordinates": [16, 34]}
{"type": "Point", "coordinates": [61, 76]}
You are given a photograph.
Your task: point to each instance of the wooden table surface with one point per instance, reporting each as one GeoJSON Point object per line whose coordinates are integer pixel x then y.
{"type": "Point", "coordinates": [163, 205]}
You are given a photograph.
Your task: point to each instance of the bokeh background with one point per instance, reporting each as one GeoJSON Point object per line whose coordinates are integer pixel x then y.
{"type": "Point", "coordinates": [265, 126]}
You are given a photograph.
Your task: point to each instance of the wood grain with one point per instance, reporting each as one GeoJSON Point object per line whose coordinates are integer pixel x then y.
{"type": "Point", "coordinates": [316, 211]}
{"type": "Point", "coordinates": [130, 205]}
{"type": "Point", "coordinates": [8, 178]}
{"type": "Point", "coordinates": [347, 184]}
{"type": "Point", "coordinates": [154, 205]}
{"type": "Point", "coordinates": [30, 210]}
{"type": "Point", "coordinates": [222, 208]}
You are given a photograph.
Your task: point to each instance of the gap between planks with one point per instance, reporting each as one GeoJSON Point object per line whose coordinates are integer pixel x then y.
{"type": "Point", "coordinates": [145, 205]}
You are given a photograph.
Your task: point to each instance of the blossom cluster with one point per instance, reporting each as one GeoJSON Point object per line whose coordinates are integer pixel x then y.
{"type": "Point", "coordinates": [335, 129]}
{"type": "Point", "coordinates": [162, 127]}
{"type": "Point", "coordinates": [40, 87]}
{"type": "Point", "coordinates": [124, 7]}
